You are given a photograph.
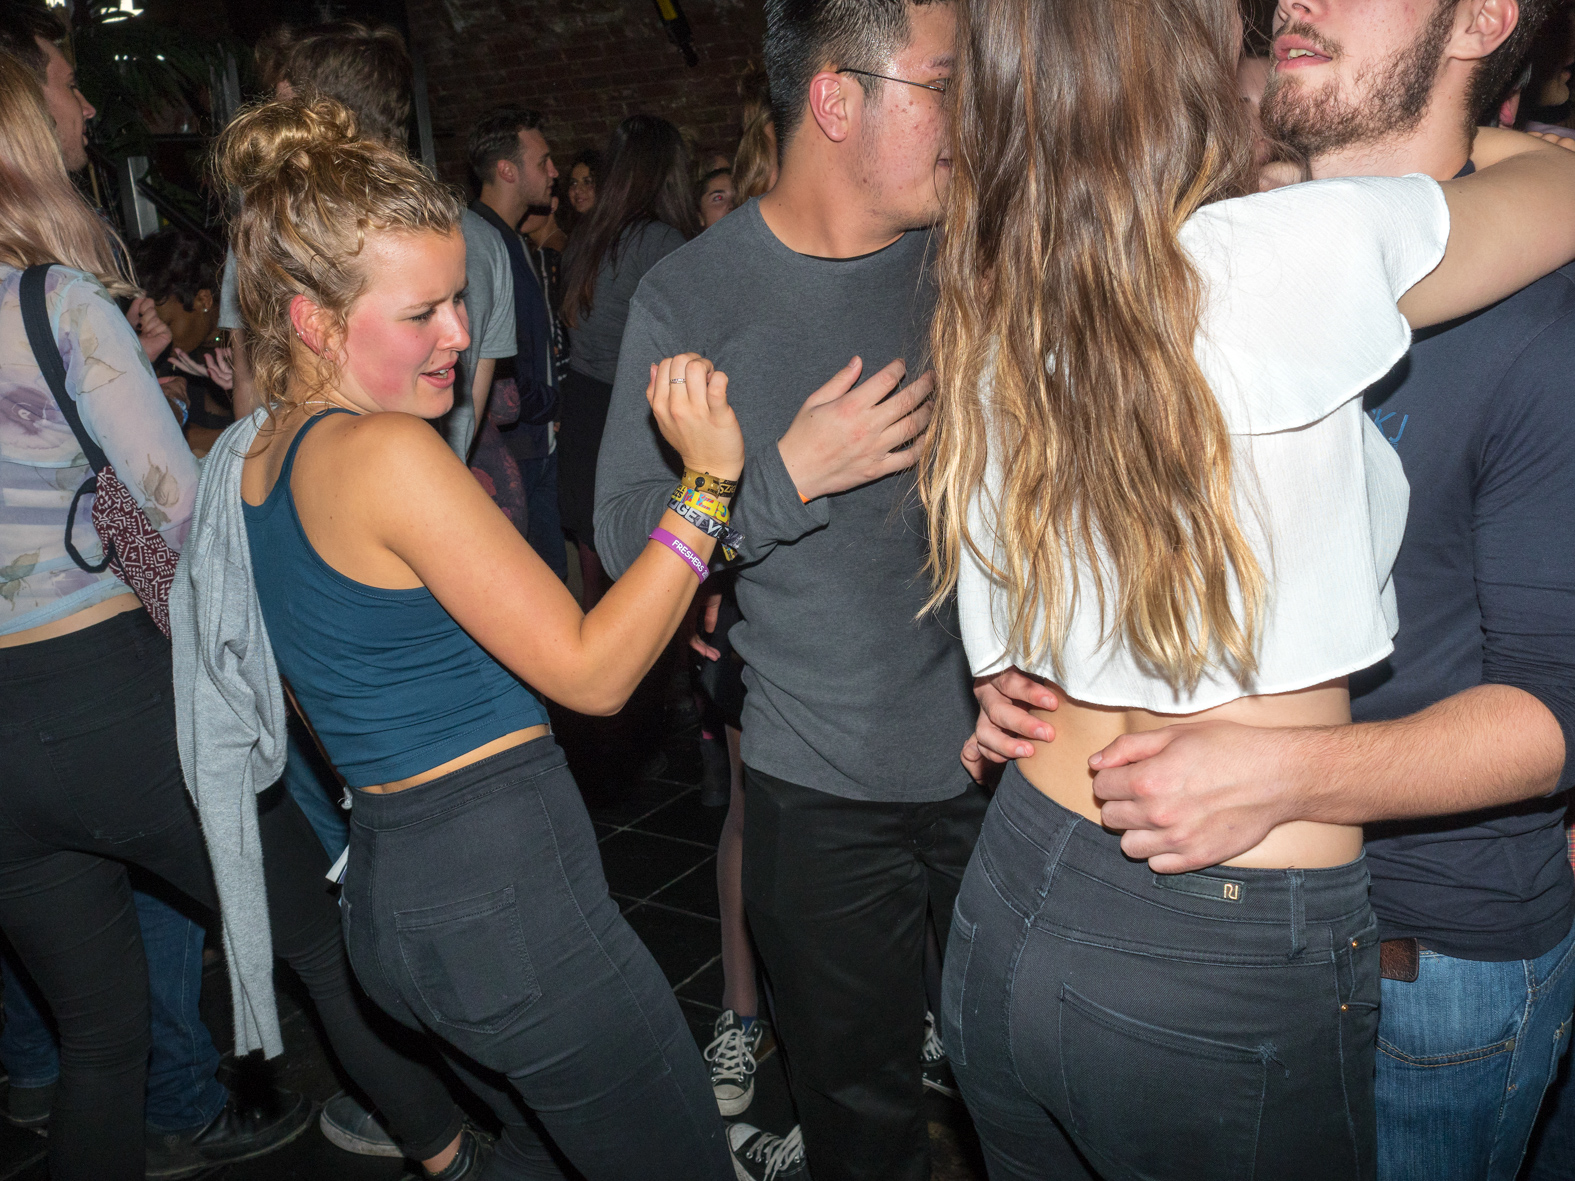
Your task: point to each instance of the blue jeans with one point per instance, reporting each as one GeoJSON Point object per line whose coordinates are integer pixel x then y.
{"type": "Point", "coordinates": [544, 525]}
{"type": "Point", "coordinates": [182, 1090]}
{"type": "Point", "coordinates": [1465, 1055]}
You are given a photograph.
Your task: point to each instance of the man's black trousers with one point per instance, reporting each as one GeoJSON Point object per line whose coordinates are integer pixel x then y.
{"type": "Point", "coordinates": [837, 892]}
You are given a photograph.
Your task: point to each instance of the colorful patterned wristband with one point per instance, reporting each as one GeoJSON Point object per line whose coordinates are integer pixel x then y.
{"type": "Point", "coordinates": [676, 544]}
{"type": "Point", "coordinates": [708, 503]}
{"type": "Point", "coordinates": [731, 539]}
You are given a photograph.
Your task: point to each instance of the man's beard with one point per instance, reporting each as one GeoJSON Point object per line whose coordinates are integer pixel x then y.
{"type": "Point", "coordinates": [1391, 97]}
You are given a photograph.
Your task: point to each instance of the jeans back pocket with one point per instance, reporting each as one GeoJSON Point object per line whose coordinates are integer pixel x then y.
{"type": "Point", "coordinates": [468, 962]}
{"type": "Point", "coordinates": [1151, 1103]}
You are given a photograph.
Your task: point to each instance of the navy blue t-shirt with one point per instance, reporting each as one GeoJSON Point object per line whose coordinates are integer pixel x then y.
{"type": "Point", "coordinates": [1482, 413]}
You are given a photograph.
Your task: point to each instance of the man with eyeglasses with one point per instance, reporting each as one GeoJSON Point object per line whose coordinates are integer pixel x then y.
{"type": "Point", "coordinates": [859, 820]}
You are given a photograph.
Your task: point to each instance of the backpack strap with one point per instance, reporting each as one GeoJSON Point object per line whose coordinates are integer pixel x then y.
{"type": "Point", "coordinates": [35, 318]}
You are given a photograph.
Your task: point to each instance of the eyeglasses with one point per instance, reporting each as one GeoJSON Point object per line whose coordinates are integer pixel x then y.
{"type": "Point", "coordinates": [939, 85]}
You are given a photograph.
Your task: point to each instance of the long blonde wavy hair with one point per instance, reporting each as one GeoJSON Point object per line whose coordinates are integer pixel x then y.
{"type": "Point", "coordinates": [1085, 133]}
{"type": "Point", "coordinates": [42, 216]}
{"type": "Point", "coordinates": [310, 190]}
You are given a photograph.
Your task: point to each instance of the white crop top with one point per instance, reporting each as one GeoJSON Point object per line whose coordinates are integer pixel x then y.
{"type": "Point", "coordinates": [1299, 318]}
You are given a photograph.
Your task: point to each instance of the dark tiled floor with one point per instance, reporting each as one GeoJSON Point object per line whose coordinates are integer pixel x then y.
{"type": "Point", "coordinates": [659, 848]}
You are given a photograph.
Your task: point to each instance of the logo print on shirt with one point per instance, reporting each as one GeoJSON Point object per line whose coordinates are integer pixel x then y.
{"type": "Point", "coordinates": [1380, 418]}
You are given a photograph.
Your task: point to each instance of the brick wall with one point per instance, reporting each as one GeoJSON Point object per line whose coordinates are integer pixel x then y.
{"type": "Point", "coordinates": [586, 64]}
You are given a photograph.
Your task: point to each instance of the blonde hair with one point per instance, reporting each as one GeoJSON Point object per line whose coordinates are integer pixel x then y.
{"type": "Point", "coordinates": [310, 191]}
{"type": "Point", "coordinates": [756, 158]}
{"type": "Point", "coordinates": [42, 216]}
{"type": "Point", "coordinates": [1082, 143]}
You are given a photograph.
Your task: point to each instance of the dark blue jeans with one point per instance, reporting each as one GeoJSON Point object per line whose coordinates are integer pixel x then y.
{"type": "Point", "coordinates": [475, 907]}
{"type": "Point", "coordinates": [1104, 1020]}
{"type": "Point", "coordinates": [1465, 1054]}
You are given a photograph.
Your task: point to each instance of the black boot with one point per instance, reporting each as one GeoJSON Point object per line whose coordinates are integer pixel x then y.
{"type": "Point", "coordinates": [239, 1132]}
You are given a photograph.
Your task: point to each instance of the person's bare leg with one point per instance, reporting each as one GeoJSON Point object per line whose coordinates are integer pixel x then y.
{"type": "Point", "coordinates": [738, 958]}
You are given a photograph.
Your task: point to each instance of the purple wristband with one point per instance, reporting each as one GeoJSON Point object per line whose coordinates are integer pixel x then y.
{"type": "Point", "coordinates": [677, 545]}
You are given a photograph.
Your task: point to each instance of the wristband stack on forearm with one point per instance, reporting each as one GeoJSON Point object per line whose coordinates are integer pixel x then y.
{"type": "Point", "coordinates": [708, 514]}
{"type": "Point", "coordinates": [701, 500]}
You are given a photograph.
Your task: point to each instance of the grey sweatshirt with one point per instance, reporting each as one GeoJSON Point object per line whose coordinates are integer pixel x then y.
{"type": "Point", "coordinates": [599, 330]}
{"type": "Point", "coordinates": [229, 717]}
{"type": "Point", "coordinates": [849, 692]}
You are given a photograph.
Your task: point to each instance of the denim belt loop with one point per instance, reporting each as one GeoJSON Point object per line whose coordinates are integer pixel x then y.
{"type": "Point", "coordinates": [1053, 857]}
{"type": "Point", "coordinates": [1298, 913]}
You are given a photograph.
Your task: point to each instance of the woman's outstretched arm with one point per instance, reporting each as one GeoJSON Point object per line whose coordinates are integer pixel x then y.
{"type": "Point", "coordinates": [441, 524]}
{"type": "Point", "coordinates": [1510, 222]}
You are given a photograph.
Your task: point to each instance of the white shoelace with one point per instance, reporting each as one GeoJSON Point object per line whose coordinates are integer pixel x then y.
{"type": "Point", "coordinates": [934, 1051]}
{"type": "Point", "coordinates": [778, 1153]}
{"type": "Point", "coordinates": [730, 1056]}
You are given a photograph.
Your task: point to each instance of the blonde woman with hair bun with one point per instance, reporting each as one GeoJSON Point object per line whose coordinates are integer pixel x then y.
{"type": "Point", "coordinates": [419, 634]}
{"type": "Point", "coordinates": [86, 679]}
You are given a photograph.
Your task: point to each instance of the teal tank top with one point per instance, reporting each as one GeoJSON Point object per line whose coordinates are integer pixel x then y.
{"type": "Point", "coordinates": [392, 685]}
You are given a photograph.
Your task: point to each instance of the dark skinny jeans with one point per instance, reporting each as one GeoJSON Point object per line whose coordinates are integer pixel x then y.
{"type": "Point", "coordinates": [1106, 1021]}
{"type": "Point", "coordinates": [475, 907]}
{"type": "Point", "coordinates": [90, 781]}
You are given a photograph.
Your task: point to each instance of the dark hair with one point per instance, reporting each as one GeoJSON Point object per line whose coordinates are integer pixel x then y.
{"type": "Point", "coordinates": [591, 158]}
{"type": "Point", "coordinates": [647, 179]}
{"type": "Point", "coordinates": [710, 176]}
{"type": "Point", "coordinates": [1546, 60]}
{"type": "Point", "coordinates": [365, 67]}
{"type": "Point", "coordinates": [175, 263]}
{"type": "Point", "coordinates": [496, 136]}
{"type": "Point", "coordinates": [21, 28]}
{"type": "Point", "coordinates": [805, 36]}
{"type": "Point", "coordinates": [1497, 70]}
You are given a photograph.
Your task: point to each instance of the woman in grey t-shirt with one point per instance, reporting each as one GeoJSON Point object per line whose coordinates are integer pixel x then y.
{"type": "Point", "coordinates": [644, 211]}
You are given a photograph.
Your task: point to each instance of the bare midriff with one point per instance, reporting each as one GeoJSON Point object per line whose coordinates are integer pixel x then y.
{"type": "Point", "coordinates": [485, 751]}
{"type": "Point", "coordinates": [1060, 770]}
{"type": "Point", "coordinates": [87, 617]}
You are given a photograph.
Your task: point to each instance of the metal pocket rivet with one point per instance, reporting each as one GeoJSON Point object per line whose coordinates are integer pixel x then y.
{"type": "Point", "coordinates": [1353, 943]}
{"type": "Point", "coordinates": [1345, 1008]}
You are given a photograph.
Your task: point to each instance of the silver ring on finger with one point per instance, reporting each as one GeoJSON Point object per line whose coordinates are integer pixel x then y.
{"type": "Point", "coordinates": [677, 381]}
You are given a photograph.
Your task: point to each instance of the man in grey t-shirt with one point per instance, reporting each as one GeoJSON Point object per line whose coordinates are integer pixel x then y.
{"type": "Point", "coordinates": [859, 818]}
{"type": "Point", "coordinates": [489, 303]}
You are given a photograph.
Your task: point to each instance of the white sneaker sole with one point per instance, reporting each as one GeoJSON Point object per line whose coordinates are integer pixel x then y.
{"type": "Point", "coordinates": [350, 1142]}
{"type": "Point", "coordinates": [740, 1172]}
{"type": "Point", "coordinates": [732, 1107]}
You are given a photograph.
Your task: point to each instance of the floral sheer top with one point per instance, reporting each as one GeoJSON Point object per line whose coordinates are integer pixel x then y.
{"type": "Point", "coordinates": [41, 464]}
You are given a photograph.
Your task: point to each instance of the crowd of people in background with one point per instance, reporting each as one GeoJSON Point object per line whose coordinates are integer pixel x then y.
{"type": "Point", "coordinates": [1173, 412]}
